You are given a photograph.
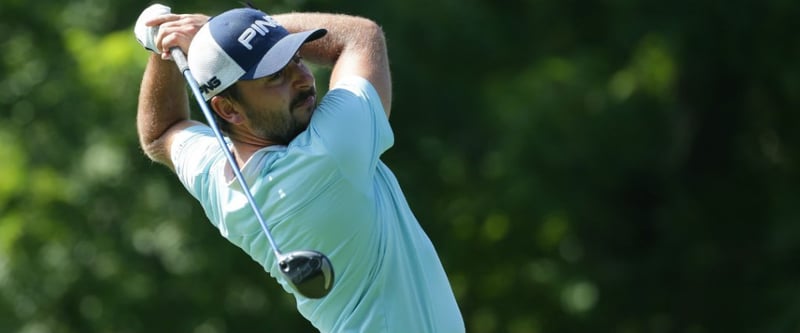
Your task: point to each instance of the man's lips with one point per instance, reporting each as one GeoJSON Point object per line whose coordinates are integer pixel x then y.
{"type": "Point", "coordinates": [308, 101]}
{"type": "Point", "coordinates": [305, 99]}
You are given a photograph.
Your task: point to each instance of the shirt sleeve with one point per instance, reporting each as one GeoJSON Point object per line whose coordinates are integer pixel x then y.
{"type": "Point", "coordinates": [193, 152]}
{"type": "Point", "coordinates": [352, 125]}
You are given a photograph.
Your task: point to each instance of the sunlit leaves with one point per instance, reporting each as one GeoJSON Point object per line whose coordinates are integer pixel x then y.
{"type": "Point", "coordinates": [107, 63]}
{"type": "Point", "coordinates": [88, 15]}
{"type": "Point", "coordinates": [13, 166]}
{"type": "Point", "coordinates": [552, 230]}
{"type": "Point", "coordinates": [495, 227]}
{"type": "Point", "coordinates": [579, 296]}
{"type": "Point", "coordinates": [103, 160]}
{"type": "Point", "coordinates": [651, 69]}
{"type": "Point", "coordinates": [11, 226]}
{"type": "Point", "coordinates": [24, 71]}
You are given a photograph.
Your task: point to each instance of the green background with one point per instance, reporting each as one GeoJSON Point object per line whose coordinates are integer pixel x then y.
{"type": "Point", "coordinates": [582, 166]}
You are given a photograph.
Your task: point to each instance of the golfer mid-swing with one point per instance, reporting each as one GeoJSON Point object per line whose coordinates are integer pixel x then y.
{"type": "Point", "coordinates": [313, 166]}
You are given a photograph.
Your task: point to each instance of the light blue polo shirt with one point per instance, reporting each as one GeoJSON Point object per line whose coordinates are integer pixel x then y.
{"type": "Point", "coordinates": [328, 191]}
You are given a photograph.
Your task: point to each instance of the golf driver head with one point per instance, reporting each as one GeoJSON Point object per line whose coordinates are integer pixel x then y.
{"type": "Point", "coordinates": [310, 273]}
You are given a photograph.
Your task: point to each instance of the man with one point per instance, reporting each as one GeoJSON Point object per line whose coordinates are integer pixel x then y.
{"type": "Point", "coordinates": [314, 169]}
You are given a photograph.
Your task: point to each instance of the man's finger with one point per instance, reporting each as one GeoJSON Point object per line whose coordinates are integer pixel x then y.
{"type": "Point", "coordinates": [161, 19]}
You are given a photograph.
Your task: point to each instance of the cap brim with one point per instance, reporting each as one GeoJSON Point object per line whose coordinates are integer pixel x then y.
{"type": "Point", "coordinates": [281, 53]}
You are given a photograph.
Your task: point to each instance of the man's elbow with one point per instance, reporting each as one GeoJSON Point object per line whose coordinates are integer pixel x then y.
{"type": "Point", "coordinates": [155, 142]}
{"type": "Point", "coordinates": [155, 151]}
{"type": "Point", "coordinates": [372, 32]}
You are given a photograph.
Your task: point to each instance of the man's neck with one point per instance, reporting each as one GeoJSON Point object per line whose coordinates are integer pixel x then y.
{"type": "Point", "coordinates": [246, 144]}
{"type": "Point", "coordinates": [243, 150]}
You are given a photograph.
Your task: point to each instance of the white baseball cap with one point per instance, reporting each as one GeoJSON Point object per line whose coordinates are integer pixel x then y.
{"type": "Point", "coordinates": [242, 44]}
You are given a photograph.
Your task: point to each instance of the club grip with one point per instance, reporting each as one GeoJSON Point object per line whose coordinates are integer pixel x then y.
{"type": "Point", "coordinates": [179, 58]}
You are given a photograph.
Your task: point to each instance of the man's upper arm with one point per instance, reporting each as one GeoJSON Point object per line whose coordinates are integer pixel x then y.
{"type": "Point", "coordinates": [160, 149]}
{"type": "Point", "coordinates": [350, 123]}
{"type": "Point", "coordinates": [193, 152]}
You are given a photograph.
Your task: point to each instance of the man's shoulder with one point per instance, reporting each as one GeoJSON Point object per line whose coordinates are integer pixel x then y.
{"type": "Point", "coordinates": [355, 84]}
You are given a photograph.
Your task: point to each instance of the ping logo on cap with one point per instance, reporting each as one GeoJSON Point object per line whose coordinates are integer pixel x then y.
{"type": "Point", "coordinates": [260, 27]}
{"type": "Point", "coordinates": [212, 84]}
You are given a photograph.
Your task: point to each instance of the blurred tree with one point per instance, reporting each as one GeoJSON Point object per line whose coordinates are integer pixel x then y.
{"type": "Point", "coordinates": [612, 166]}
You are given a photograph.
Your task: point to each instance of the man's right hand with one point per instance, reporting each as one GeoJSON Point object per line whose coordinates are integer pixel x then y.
{"type": "Point", "coordinates": [145, 34]}
{"type": "Point", "coordinates": [158, 30]}
{"type": "Point", "coordinates": [176, 30]}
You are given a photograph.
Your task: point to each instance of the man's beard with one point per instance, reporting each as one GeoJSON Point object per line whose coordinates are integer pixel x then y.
{"type": "Point", "coordinates": [283, 128]}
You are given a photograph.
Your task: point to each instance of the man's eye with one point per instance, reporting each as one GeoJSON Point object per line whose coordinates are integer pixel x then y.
{"type": "Point", "coordinates": [276, 76]}
{"type": "Point", "coordinates": [296, 59]}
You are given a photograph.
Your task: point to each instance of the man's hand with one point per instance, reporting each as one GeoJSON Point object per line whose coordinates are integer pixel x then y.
{"type": "Point", "coordinates": [146, 35]}
{"type": "Point", "coordinates": [176, 30]}
{"type": "Point", "coordinates": [158, 30]}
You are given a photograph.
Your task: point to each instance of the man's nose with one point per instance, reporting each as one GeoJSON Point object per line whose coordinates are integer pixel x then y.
{"type": "Point", "coordinates": [302, 78]}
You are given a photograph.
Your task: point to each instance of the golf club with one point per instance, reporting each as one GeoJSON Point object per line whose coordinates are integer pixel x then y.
{"type": "Point", "coordinates": [308, 272]}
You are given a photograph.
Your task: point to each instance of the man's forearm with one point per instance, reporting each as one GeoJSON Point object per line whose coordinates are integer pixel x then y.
{"type": "Point", "coordinates": [163, 102]}
{"type": "Point", "coordinates": [344, 32]}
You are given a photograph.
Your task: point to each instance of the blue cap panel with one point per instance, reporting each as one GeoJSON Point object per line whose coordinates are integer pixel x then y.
{"type": "Point", "coordinates": [246, 35]}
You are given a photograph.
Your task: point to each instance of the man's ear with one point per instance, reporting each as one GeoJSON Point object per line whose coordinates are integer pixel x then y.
{"type": "Point", "coordinates": [227, 109]}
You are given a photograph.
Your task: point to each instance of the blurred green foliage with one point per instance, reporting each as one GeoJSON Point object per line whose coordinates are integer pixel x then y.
{"type": "Point", "coordinates": [607, 166]}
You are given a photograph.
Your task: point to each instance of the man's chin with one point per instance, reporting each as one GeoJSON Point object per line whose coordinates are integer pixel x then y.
{"type": "Point", "coordinates": [303, 114]}
{"type": "Point", "coordinates": [303, 120]}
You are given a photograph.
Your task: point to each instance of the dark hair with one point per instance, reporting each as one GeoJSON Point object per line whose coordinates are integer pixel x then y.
{"type": "Point", "coordinates": [232, 94]}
